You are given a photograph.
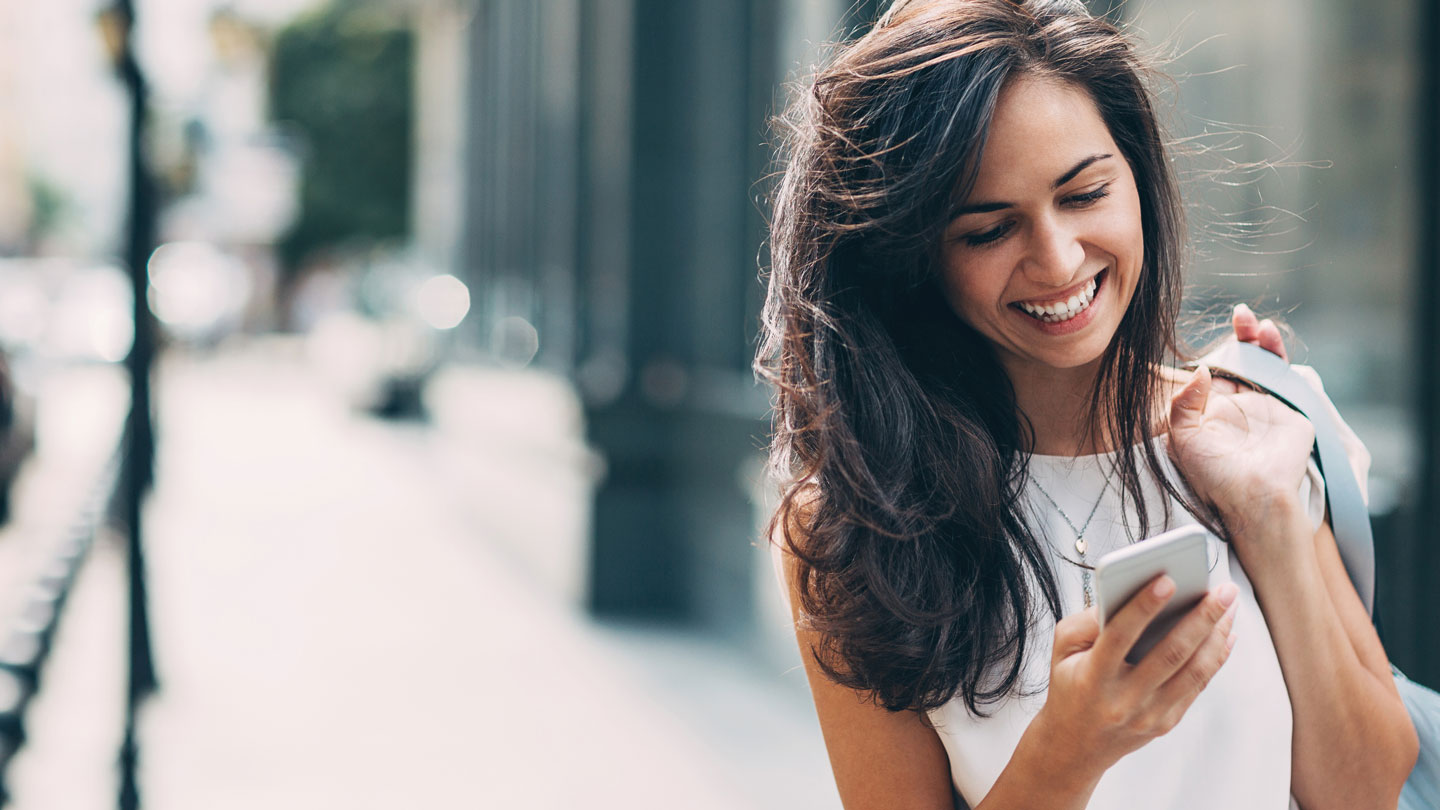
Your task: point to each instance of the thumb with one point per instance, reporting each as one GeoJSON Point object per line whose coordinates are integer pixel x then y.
{"type": "Point", "coordinates": [1076, 633]}
{"type": "Point", "coordinates": [1189, 402]}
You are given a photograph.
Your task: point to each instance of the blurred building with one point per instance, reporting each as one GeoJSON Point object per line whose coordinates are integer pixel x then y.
{"type": "Point", "coordinates": [593, 169]}
{"type": "Point", "coordinates": [1304, 123]}
{"type": "Point", "coordinates": [589, 168]}
{"type": "Point", "coordinates": [62, 113]}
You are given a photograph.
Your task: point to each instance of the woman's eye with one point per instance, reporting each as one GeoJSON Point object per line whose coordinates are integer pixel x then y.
{"type": "Point", "coordinates": [988, 237]}
{"type": "Point", "coordinates": [1089, 198]}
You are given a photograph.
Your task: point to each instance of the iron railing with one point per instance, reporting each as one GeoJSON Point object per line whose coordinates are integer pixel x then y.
{"type": "Point", "coordinates": [27, 642]}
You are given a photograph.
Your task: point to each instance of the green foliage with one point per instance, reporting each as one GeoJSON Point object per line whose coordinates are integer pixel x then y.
{"type": "Point", "coordinates": [342, 77]}
{"type": "Point", "coordinates": [49, 206]}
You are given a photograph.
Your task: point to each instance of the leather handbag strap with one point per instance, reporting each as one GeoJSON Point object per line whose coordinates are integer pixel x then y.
{"type": "Point", "coordinates": [1349, 517]}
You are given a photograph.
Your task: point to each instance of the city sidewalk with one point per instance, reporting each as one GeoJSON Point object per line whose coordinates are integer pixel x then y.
{"type": "Point", "coordinates": [334, 629]}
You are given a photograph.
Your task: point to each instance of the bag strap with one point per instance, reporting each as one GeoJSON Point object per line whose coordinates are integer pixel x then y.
{"type": "Point", "coordinates": [1349, 517]}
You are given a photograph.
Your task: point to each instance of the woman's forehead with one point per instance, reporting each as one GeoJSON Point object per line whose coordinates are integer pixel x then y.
{"type": "Point", "coordinates": [1041, 128]}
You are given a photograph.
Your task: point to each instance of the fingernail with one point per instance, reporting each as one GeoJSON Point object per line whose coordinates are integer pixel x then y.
{"type": "Point", "coordinates": [1242, 308]}
{"type": "Point", "coordinates": [1164, 587]}
{"type": "Point", "coordinates": [1226, 593]}
{"type": "Point", "coordinates": [1230, 642]}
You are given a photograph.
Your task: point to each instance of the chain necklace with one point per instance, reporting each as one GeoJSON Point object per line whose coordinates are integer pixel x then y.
{"type": "Point", "coordinates": [1080, 543]}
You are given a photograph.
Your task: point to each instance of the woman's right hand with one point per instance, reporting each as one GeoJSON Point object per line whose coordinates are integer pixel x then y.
{"type": "Point", "coordinates": [1100, 708]}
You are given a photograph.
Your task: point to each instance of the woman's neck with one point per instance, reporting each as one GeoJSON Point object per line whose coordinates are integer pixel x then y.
{"type": "Point", "coordinates": [1057, 404]}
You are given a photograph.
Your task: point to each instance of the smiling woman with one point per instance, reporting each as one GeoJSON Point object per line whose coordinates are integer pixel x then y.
{"type": "Point", "coordinates": [971, 328]}
{"type": "Point", "coordinates": [1068, 229]}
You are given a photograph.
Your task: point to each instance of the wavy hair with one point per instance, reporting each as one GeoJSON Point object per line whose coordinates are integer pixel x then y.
{"type": "Point", "coordinates": [896, 434]}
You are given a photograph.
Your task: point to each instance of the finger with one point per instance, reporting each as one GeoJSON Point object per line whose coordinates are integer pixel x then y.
{"type": "Point", "coordinates": [1270, 339]}
{"type": "Point", "coordinates": [1187, 684]}
{"type": "Point", "coordinates": [1186, 637]}
{"type": "Point", "coordinates": [1224, 385]}
{"type": "Point", "coordinates": [1076, 633]}
{"type": "Point", "coordinates": [1247, 327]}
{"type": "Point", "coordinates": [1188, 404]}
{"type": "Point", "coordinates": [1124, 628]}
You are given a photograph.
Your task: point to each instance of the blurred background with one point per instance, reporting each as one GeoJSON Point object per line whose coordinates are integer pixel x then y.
{"type": "Point", "coordinates": [432, 477]}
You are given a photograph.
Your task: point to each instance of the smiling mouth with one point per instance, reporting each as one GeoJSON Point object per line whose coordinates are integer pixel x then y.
{"type": "Point", "coordinates": [1063, 310]}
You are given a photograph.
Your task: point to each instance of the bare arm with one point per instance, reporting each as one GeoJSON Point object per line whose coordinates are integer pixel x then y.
{"type": "Point", "coordinates": [883, 759]}
{"type": "Point", "coordinates": [1354, 744]}
{"type": "Point", "coordinates": [880, 759]}
{"type": "Point", "coordinates": [1245, 453]}
{"type": "Point", "coordinates": [1098, 709]}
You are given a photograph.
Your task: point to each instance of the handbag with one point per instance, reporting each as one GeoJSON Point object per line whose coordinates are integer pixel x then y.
{"type": "Point", "coordinates": [1350, 521]}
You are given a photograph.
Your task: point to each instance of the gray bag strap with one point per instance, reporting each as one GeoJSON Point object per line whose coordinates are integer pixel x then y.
{"type": "Point", "coordinates": [1349, 517]}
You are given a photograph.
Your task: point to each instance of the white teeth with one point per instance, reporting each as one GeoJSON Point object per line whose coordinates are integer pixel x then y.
{"type": "Point", "coordinates": [1063, 310]}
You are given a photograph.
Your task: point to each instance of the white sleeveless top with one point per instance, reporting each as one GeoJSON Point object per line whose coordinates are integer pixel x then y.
{"type": "Point", "coordinates": [1232, 747]}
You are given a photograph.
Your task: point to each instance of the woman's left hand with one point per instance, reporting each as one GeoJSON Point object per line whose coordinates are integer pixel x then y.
{"type": "Point", "coordinates": [1243, 452]}
{"type": "Point", "coordinates": [1250, 329]}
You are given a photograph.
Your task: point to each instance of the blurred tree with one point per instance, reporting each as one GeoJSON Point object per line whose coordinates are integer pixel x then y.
{"type": "Point", "coordinates": [342, 78]}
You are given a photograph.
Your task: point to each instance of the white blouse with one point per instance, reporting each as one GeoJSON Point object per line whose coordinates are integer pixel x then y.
{"type": "Point", "coordinates": [1232, 747]}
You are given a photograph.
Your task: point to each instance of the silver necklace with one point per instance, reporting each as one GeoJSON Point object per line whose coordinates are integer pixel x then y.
{"type": "Point", "coordinates": [1080, 543]}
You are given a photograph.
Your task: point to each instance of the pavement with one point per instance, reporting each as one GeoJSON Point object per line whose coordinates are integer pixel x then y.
{"type": "Point", "coordinates": [342, 620]}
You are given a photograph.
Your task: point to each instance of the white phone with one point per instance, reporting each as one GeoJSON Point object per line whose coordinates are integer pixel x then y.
{"type": "Point", "coordinates": [1121, 574]}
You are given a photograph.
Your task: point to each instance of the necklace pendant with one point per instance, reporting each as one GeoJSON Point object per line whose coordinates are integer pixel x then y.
{"type": "Point", "coordinates": [1080, 544]}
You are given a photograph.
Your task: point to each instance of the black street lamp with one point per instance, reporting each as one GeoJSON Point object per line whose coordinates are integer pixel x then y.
{"type": "Point", "coordinates": [117, 23]}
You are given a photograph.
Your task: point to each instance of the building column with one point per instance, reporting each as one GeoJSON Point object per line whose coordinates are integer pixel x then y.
{"type": "Point", "coordinates": [673, 105]}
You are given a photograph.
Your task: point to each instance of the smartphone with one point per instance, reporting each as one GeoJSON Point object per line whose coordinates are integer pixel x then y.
{"type": "Point", "coordinates": [1121, 574]}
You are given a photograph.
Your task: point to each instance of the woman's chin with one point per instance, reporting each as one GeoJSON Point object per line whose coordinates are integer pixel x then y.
{"type": "Point", "coordinates": [1085, 351]}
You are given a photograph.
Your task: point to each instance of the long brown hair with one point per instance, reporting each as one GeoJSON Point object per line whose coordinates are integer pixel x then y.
{"type": "Point", "coordinates": [896, 434]}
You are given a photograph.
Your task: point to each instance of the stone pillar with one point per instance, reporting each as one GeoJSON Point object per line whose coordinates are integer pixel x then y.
{"type": "Point", "coordinates": [674, 98]}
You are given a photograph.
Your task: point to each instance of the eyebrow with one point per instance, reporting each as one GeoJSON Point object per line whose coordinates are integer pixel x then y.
{"type": "Point", "coordinates": [987, 207]}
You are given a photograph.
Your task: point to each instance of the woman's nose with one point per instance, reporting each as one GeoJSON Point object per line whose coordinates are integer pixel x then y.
{"type": "Point", "coordinates": [1055, 256]}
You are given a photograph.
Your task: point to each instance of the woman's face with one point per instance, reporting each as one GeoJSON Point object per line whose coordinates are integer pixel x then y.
{"type": "Point", "coordinates": [1045, 254]}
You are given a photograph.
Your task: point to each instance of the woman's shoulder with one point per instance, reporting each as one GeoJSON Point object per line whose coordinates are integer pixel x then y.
{"type": "Point", "coordinates": [1355, 451]}
{"type": "Point", "coordinates": [795, 513]}
{"type": "Point", "coordinates": [789, 531]}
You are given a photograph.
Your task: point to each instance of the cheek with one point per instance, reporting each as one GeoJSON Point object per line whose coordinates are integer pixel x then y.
{"type": "Point", "coordinates": [972, 286]}
{"type": "Point", "coordinates": [1128, 232]}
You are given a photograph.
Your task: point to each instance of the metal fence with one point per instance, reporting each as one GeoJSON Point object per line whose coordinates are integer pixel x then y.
{"type": "Point", "coordinates": [27, 642]}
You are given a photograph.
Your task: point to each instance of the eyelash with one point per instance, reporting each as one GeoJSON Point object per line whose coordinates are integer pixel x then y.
{"type": "Point", "coordinates": [999, 232]}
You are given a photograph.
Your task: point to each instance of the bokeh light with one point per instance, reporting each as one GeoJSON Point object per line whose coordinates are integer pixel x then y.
{"type": "Point", "coordinates": [443, 301]}
{"type": "Point", "coordinates": [196, 290]}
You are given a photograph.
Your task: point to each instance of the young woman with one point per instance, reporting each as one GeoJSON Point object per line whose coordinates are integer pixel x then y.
{"type": "Point", "coordinates": [971, 327]}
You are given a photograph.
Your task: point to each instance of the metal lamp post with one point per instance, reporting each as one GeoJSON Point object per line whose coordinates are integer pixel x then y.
{"type": "Point", "coordinates": [117, 23]}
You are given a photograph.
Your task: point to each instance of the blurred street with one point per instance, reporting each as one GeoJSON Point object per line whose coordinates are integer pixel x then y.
{"type": "Point", "coordinates": [543, 226]}
{"type": "Point", "coordinates": [334, 628]}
